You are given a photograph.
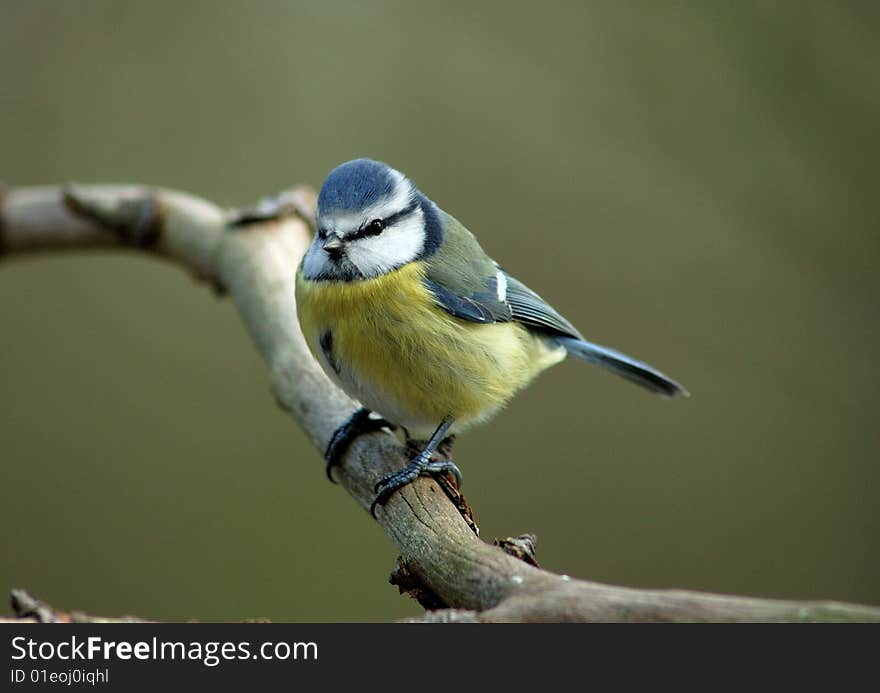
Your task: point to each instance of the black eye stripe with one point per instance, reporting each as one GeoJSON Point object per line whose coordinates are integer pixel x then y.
{"type": "Point", "coordinates": [364, 232]}
{"type": "Point", "coordinates": [402, 214]}
{"type": "Point", "coordinates": [368, 230]}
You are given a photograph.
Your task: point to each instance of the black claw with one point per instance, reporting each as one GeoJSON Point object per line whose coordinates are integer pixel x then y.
{"type": "Point", "coordinates": [445, 467]}
{"type": "Point", "coordinates": [359, 423]}
{"type": "Point", "coordinates": [420, 464]}
{"type": "Point", "coordinates": [389, 484]}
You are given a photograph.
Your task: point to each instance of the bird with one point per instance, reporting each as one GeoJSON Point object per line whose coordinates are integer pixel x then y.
{"type": "Point", "coordinates": [405, 311]}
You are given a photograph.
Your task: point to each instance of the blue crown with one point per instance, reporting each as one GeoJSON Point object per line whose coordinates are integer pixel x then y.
{"type": "Point", "coordinates": [355, 185]}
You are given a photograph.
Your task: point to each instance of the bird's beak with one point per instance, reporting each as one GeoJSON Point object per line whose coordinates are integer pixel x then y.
{"type": "Point", "coordinates": [333, 245]}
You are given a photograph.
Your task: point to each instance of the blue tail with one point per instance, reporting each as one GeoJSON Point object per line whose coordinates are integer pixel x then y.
{"type": "Point", "coordinates": [624, 366]}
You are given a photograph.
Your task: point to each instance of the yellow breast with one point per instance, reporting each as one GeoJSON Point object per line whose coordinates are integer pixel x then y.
{"type": "Point", "coordinates": [388, 344]}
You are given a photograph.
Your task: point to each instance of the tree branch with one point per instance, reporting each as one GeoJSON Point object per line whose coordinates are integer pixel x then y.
{"type": "Point", "coordinates": [31, 610]}
{"type": "Point", "coordinates": [254, 259]}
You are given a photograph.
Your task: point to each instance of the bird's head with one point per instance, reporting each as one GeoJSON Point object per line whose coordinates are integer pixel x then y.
{"type": "Point", "coordinates": [371, 220]}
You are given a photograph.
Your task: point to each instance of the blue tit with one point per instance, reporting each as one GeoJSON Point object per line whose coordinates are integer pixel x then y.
{"type": "Point", "coordinates": [408, 315]}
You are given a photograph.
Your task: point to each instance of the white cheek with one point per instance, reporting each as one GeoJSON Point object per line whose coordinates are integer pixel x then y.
{"type": "Point", "coordinates": [396, 246]}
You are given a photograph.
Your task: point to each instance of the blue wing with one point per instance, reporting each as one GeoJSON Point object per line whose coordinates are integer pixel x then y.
{"type": "Point", "coordinates": [481, 306]}
{"type": "Point", "coordinates": [532, 310]}
{"type": "Point", "coordinates": [502, 298]}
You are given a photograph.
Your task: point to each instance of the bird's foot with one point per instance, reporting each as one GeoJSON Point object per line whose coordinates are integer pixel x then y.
{"type": "Point", "coordinates": [421, 465]}
{"type": "Point", "coordinates": [357, 424]}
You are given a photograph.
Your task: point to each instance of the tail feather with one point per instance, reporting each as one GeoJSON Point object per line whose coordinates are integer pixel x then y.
{"type": "Point", "coordinates": [633, 370]}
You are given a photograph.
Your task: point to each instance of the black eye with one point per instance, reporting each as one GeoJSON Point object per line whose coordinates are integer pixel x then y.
{"type": "Point", "coordinates": [322, 233]}
{"type": "Point", "coordinates": [374, 228]}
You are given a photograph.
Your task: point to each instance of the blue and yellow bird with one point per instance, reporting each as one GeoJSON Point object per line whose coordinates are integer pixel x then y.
{"type": "Point", "coordinates": [408, 315]}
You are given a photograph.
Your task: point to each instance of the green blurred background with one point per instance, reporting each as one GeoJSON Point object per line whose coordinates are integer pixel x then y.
{"type": "Point", "coordinates": [693, 183]}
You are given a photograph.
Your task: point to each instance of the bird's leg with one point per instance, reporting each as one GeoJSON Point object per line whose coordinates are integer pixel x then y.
{"type": "Point", "coordinates": [357, 424]}
{"type": "Point", "coordinates": [414, 447]}
{"type": "Point", "coordinates": [419, 465]}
